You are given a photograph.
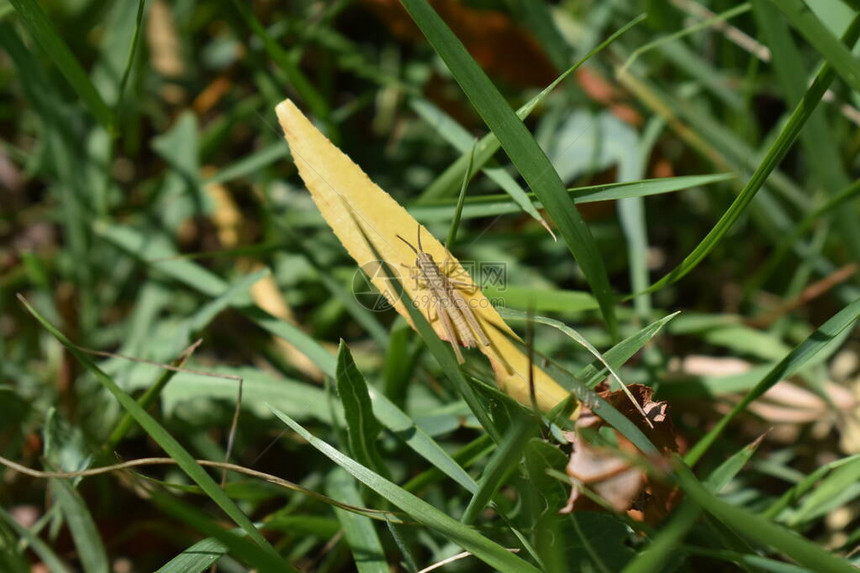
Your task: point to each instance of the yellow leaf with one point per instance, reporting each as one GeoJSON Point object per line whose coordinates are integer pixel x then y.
{"type": "Point", "coordinates": [358, 210]}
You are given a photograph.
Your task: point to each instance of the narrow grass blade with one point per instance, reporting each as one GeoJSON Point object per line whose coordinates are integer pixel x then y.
{"type": "Point", "coordinates": [85, 534]}
{"type": "Point", "coordinates": [774, 156]}
{"type": "Point", "coordinates": [252, 554]}
{"type": "Point", "coordinates": [582, 341]}
{"type": "Point", "coordinates": [250, 164]}
{"type": "Point", "coordinates": [825, 160]}
{"type": "Point", "coordinates": [160, 436]}
{"type": "Point", "coordinates": [623, 351]}
{"type": "Point", "coordinates": [200, 319]}
{"type": "Point", "coordinates": [805, 485]}
{"type": "Point", "coordinates": [726, 471]}
{"type": "Point", "coordinates": [282, 59]}
{"type": "Point", "coordinates": [446, 183]}
{"type": "Point", "coordinates": [36, 545]}
{"type": "Point", "coordinates": [491, 205]}
{"type": "Point", "coordinates": [521, 147]}
{"type": "Point", "coordinates": [828, 494]}
{"type": "Point", "coordinates": [464, 142]}
{"type": "Point", "coordinates": [404, 427]}
{"type": "Point", "coordinates": [504, 460]}
{"type": "Point", "coordinates": [197, 558]}
{"type": "Point", "coordinates": [665, 544]}
{"type": "Point", "coordinates": [603, 409]}
{"type": "Point", "coordinates": [358, 530]}
{"type": "Point", "coordinates": [34, 18]}
{"type": "Point", "coordinates": [361, 425]}
{"type": "Point", "coordinates": [760, 529]}
{"type": "Point", "coordinates": [795, 360]}
{"type": "Point", "coordinates": [194, 276]}
{"type": "Point", "coordinates": [421, 511]}
{"type": "Point", "coordinates": [458, 210]}
{"type": "Point", "coordinates": [837, 54]}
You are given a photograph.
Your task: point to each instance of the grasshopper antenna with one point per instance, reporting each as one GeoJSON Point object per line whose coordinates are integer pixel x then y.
{"type": "Point", "coordinates": [420, 248]}
{"type": "Point", "coordinates": [408, 244]}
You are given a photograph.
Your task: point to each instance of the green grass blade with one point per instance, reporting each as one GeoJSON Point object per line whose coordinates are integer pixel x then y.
{"type": "Point", "coordinates": [160, 436]}
{"type": "Point", "coordinates": [197, 558]}
{"type": "Point", "coordinates": [726, 471]}
{"type": "Point", "coordinates": [825, 160]}
{"type": "Point", "coordinates": [579, 339]}
{"type": "Point", "coordinates": [795, 360]}
{"type": "Point", "coordinates": [491, 205]}
{"type": "Point", "coordinates": [361, 425]}
{"type": "Point", "coordinates": [623, 351]}
{"type": "Point", "coordinates": [200, 319]}
{"type": "Point", "coordinates": [835, 52]}
{"type": "Point", "coordinates": [239, 547]}
{"type": "Point", "coordinates": [458, 210]}
{"type": "Point", "coordinates": [828, 494]}
{"type": "Point", "coordinates": [37, 23]}
{"type": "Point", "coordinates": [654, 558]}
{"type": "Point", "coordinates": [35, 544]}
{"type": "Point", "coordinates": [463, 141]}
{"type": "Point", "coordinates": [446, 184]}
{"type": "Point", "coordinates": [504, 460]}
{"type": "Point", "coordinates": [488, 551]}
{"type": "Point", "coordinates": [282, 59]}
{"type": "Point", "coordinates": [805, 485]}
{"type": "Point", "coordinates": [774, 156]}
{"type": "Point", "coordinates": [603, 409]}
{"type": "Point", "coordinates": [85, 534]}
{"type": "Point", "coordinates": [521, 147]}
{"type": "Point", "coordinates": [251, 164]}
{"type": "Point", "coordinates": [154, 248]}
{"type": "Point", "coordinates": [760, 529]}
{"type": "Point", "coordinates": [358, 530]}
{"type": "Point", "coordinates": [404, 427]}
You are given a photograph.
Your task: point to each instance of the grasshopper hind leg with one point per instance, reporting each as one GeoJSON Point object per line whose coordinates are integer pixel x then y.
{"type": "Point", "coordinates": [450, 332]}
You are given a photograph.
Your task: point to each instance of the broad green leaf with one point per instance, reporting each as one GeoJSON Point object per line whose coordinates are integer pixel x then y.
{"type": "Point", "coordinates": [361, 425]}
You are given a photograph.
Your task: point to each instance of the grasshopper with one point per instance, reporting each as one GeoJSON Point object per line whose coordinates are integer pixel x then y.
{"type": "Point", "coordinates": [459, 322]}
